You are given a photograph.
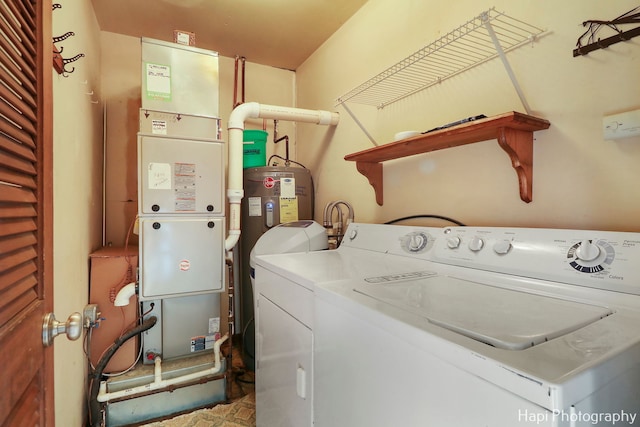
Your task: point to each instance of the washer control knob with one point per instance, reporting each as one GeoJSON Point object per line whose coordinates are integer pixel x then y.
{"type": "Point", "coordinates": [502, 247]}
{"type": "Point", "coordinates": [453, 242]}
{"type": "Point", "coordinates": [476, 244]}
{"type": "Point", "coordinates": [353, 234]}
{"type": "Point", "coordinates": [417, 241]}
{"type": "Point", "coordinates": [587, 251]}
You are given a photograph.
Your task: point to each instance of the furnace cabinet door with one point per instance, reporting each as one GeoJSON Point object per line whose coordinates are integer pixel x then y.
{"type": "Point", "coordinates": [283, 374]}
{"type": "Point", "coordinates": [181, 256]}
{"type": "Point", "coordinates": [179, 176]}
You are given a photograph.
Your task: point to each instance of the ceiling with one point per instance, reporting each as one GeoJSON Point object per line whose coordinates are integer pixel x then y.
{"type": "Point", "coordinates": [278, 33]}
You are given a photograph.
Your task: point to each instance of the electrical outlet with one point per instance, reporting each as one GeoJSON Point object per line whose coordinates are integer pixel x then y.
{"type": "Point", "coordinates": [90, 315]}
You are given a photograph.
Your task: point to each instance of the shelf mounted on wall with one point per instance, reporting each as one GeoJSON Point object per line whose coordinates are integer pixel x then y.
{"type": "Point", "coordinates": [513, 131]}
{"type": "Point", "coordinates": [489, 35]}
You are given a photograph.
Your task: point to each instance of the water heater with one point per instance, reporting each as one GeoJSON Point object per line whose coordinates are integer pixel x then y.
{"type": "Point", "coordinates": [273, 195]}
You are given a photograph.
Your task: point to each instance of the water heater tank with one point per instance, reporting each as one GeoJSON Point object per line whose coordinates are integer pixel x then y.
{"type": "Point", "coordinates": [272, 195]}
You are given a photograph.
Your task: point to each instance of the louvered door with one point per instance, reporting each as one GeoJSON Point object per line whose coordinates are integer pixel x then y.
{"type": "Point", "coordinates": [26, 374]}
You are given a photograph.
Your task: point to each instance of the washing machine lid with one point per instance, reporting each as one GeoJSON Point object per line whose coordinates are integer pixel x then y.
{"type": "Point", "coordinates": [504, 318]}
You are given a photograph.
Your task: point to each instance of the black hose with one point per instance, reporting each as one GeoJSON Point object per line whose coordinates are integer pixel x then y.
{"type": "Point", "coordinates": [94, 405]}
{"type": "Point", "coordinates": [286, 160]}
{"type": "Point", "coordinates": [393, 221]}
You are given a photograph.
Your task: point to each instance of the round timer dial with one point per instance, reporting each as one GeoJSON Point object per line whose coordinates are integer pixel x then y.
{"type": "Point", "coordinates": [589, 256]}
{"type": "Point", "coordinates": [415, 242]}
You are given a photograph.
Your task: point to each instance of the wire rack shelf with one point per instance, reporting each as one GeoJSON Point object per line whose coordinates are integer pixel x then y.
{"type": "Point", "coordinates": [477, 41]}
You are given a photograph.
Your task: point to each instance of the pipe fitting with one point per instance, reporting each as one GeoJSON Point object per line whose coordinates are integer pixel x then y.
{"type": "Point", "coordinates": [248, 110]}
{"type": "Point", "coordinates": [328, 118]}
{"type": "Point", "coordinates": [125, 294]}
{"type": "Point", "coordinates": [235, 195]}
{"type": "Point", "coordinates": [231, 241]}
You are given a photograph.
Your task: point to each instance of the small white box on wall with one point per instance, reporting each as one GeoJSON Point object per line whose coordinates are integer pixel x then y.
{"type": "Point", "coordinates": [623, 125]}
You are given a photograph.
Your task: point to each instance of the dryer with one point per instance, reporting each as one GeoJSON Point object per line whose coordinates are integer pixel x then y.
{"type": "Point", "coordinates": [285, 280]}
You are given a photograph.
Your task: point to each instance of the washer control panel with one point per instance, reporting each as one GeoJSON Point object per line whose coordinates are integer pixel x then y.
{"type": "Point", "coordinates": [601, 259]}
{"type": "Point", "coordinates": [597, 259]}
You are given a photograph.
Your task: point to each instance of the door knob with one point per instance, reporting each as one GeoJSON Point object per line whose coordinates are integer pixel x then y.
{"type": "Point", "coordinates": [51, 328]}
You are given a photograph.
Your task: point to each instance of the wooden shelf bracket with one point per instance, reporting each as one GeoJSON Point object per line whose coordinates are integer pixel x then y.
{"type": "Point", "coordinates": [518, 144]}
{"type": "Point", "coordinates": [373, 172]}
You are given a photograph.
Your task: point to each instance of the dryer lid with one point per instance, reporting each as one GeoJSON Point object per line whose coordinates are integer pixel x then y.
{"type": "Point", "coordinates": [504, 318]}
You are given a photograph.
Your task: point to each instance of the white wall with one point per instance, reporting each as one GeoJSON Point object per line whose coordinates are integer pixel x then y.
{"type": "Point", "coordinates": [579, 179]}
{"type": "Point", "coordinates": [77, 193]}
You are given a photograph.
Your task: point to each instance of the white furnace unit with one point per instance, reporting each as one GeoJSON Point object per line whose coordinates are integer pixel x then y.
{"type": "Point", "coordinates": [181, 199]}
{"type": "Point", "coordinates": [181, 226]}
{"type": "Point", "coordinates": [182, 232]}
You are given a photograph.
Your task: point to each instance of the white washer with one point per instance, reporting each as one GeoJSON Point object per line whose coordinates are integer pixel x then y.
{"type": "Point", "coordinates": [461, 327]}
{"type": "Point", "coordinates": [509, 327]}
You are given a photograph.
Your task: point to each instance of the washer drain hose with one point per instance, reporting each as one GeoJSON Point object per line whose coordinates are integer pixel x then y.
{"type": "Point", "coordinates": [94, 405]}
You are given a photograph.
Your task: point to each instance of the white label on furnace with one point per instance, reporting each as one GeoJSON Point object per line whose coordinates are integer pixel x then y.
{"type": "Point", "coordinates": [214, 325]}
{"type": "Point", "coordinates": [158, 80]}
{"type": "Point", "coordinates": [255, 206]}
{"type": "Point", "coordinates": [184, 181]}
{"type": "Point", "coordinates": [159, 176]}
{"type": "Point", "coordinates": [288, 188]}
{"type": "Point", "coordinates": [158, 127]}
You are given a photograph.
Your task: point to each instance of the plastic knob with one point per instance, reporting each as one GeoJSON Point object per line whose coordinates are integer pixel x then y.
{"type": "Point", "coordinates": [502, 247]}
{"type": "Point", "coordinates": [417, 242]}
{"type": "Point", "coordinates": [587, 251]}
{"type": "Point", "coordinates": [476, 244]}
{"type": "Point", "coordinates": [453, 242]}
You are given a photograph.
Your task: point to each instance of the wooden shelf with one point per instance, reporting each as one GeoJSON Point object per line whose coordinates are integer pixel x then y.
{"type": "Point", "coordinates": [513, 130]}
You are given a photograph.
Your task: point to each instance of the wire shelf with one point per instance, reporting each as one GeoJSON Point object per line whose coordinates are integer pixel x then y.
{"type": "Point", "coordinates": [479, 40]}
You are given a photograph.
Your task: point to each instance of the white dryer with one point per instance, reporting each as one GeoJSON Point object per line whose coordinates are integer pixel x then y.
{"type": "Point", "coordinates": [284, 289]}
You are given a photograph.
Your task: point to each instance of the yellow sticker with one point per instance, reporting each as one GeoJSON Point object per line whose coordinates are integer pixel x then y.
{"type": "Point", "coordinates": [288, 209]}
